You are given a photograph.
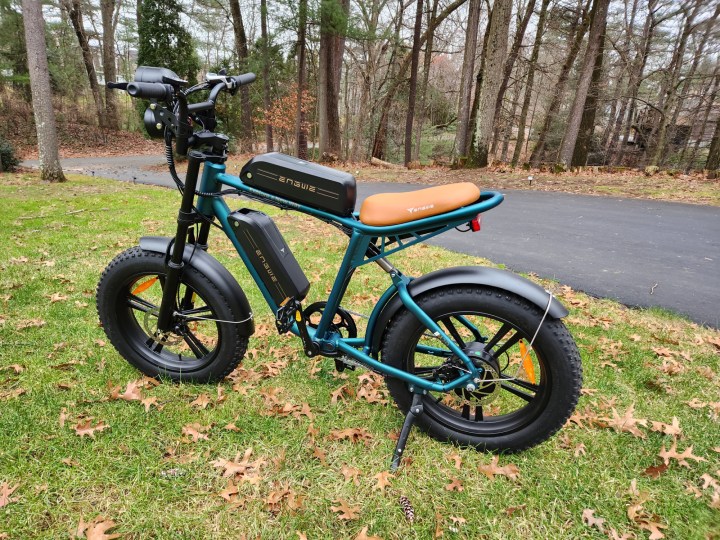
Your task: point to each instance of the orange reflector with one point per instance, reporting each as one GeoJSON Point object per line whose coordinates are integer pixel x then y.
{"type": "Point", "coordinates": [145, 286]}
{"type": "Point", "coordinates": [527, 362]}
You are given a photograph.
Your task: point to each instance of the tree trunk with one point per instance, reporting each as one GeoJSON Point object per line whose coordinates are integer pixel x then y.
{"type": "Point", "coordinates": [266, 73]}
{"type": "Point", "coordinates": [466, 80]}
{"type": "Point", "coordinates": [333, 19]}
{"type": "Point", "coordinates": [669, 97]}
{"type": "Point", "coordinates": [587, 122]}
{"type": "Point", "coordinates": [529, 83]}
{"type": "Point", "coordinates": [595, 37]}
{"type": "Point", "coordinates": [510, 63]}
{"type": "Point", "coordinates": [576, 38]}
{"type": "Point", "coordinates": [427, 60]}
{"type": "Point", "coordinates": [300, 127]}
{"type": "Point", "coordinates": [412, 90]}
{"type": "Point", "coordinates": [712, 91]}
{"type": "Point", "coordinates": [75, 14]}
{"type": "Point", "coordinates": [246, 139]}
{"type": "Point", "coordinates": [713, 160]}
{"type": "Point", "coordinates": [496, 55]}
{"type": "Point", "coordinates": [107, 8]}
{"type": "Point", "coordinates": [50, 169]}
{"type": "Point", "coordinates": [378, 147]}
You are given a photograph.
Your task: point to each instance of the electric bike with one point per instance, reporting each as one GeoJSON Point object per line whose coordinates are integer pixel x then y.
{"type": "Point", "coordinates": [473, 355]}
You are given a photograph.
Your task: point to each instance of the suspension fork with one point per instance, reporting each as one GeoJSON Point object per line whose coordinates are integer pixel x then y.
{"type": "Point", "coordinates": [175, 265]}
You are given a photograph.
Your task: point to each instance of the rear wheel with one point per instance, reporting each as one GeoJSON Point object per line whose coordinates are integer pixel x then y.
{"type": "Point", "coordinates": [528, 388]}
{"type": "Point", "coordinates": [204, 344]}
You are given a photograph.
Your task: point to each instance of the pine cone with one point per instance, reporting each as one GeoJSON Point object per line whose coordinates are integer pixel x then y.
{"type": "Point", "coordinates": [407, 509]}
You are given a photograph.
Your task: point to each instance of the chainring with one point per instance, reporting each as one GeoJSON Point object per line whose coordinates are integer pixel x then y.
{"type": "Point", "coordinates": [345, 322]}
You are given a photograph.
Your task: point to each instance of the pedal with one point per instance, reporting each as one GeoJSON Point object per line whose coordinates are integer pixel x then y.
{"type": "Point", "coordinates": [285, 316]}
{"type": "Point", "coordinates": [342, 363]}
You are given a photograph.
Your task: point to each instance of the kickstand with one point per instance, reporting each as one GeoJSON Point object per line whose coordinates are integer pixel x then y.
{"type": "Point", "coordinates": [416, 409]}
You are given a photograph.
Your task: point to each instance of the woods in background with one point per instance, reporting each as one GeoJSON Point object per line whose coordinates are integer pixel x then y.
{"type": "Point", "coordinates": [560, 83]}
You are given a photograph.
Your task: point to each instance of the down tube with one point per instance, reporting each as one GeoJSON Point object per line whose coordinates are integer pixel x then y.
{"type": "Point", "coordinates": [222, 211]}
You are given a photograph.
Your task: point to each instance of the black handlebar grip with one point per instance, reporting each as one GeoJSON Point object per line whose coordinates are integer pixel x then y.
{"type": "Point", "coordinates": [245, 78]}
{"type": "Point", "coordinates": [150, 90]}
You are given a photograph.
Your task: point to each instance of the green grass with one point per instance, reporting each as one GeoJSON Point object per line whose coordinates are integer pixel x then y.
{"type": "Point", "coordinates": [143, 475]}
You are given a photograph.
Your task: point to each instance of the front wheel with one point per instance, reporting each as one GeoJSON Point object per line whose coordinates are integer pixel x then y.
{"type": "Point", "coordinates": [204, 345]}
{"type": "Point", "coordinates": [528, 388]}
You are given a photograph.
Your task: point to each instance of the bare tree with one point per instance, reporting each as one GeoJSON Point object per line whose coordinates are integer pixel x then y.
{"type": "Point", "coordinates": [242, 52]}
{"type": "Point", "coordinates": [412, 91]}
{"type": "Point", "coordinates": [300, 128]}
{"type": "Point", "coordinates": [74, 12]}
{"type": "Point", "coordinates": [110, 10]}
{"type": "Point", "coordinates": [266, 73]}
{"type": "Point", "coordinates": [50, 169]}
{"type": "Point", "coordinates": [333, 15]}
{"type": "Point", "coordinates": [466, 81]}
{"type": "Point", "coordinates": [530, 82]}
{"type": "Point", "coordinates": [495, 56]}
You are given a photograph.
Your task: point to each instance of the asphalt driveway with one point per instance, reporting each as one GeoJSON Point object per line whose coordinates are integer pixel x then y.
{"type": "Point", "coordinates": [639, 252]}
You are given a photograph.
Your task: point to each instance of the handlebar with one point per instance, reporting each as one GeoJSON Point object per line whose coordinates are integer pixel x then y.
{"type": "Point", "coordinates": [162, 92]}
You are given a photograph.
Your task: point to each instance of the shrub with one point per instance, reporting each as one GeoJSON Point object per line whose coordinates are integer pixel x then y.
{"type": "Point", "coordinates": [8, 160]}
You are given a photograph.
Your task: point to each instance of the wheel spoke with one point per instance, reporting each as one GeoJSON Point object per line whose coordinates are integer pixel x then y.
{"type": "Point", "coordinates": [195, 311]}
{"type": "Point", "coordinates": [522, 384]}
{"type": "Point", "coordinates": [517, 392]}
{"type": "Point", "coordinates": [447, 321]}
{"type": "Point", "coordinates": [197, 346]}
{"type": "Point", "coordinates": [154, 346]}
{"type": "Point", "coordinates": [504, 329]}
{"type": "Point", "coordinates": [466, 411]}
{"type": "Point", "coordinates": [140, 304]}
{"type": "Point", "coordinates": [509, 343]}
{"type": "Point", "coordinates": [479, 413]}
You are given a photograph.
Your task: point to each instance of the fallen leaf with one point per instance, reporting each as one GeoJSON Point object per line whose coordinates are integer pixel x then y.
{"type": "Point", "coordinates": [231, 427]}
{"type": "Point", "coordinates": [234, 468]}
{"type": "Point", "coordinates": [195, 431]}
{"type": "Point", "coordinates": [383, 480]}
{"type": "Point", "coordinates": [320, 454]}
{"type": "Point", "coordinates": [5, 492]}
{"type": "Point", "coordinates": [346, 511]}
{"type": "Point", "coordinates": [97, 529]}
{"type": "Point", "coordinates": [654, 471]}
{"type": "Point", "coordinates": [668, 429]}
{"type": "Point", "coordinates": [626, 423]}
{"type": "Point", "coordinates": [354, 434]}
{"type": "Point", "coordinates": [512, 509]}
{"type": "Point", "coordinates": [363, 535]}
{"type": "Point", "coordinates": [149, 402]}
{"type": "Point", "coordinates": [85, 428]}
{"type": "Point", "coordinates": [350, 473]}
{"type": "Point", "coordinates": [230, 491]}
{"type": "Point", "coordinates": [17, 368]}
{"type": "Point", "coordinates": [456, 458]}
{"type": "Point", "coordinates": [492, 469]}
{"type": "Point", "coordinates": [131, 393]}
{"type": "Point", "coordinates": [681, 458]}
{"type": "Point", "coordinates": [454, 485]}
{"type": "Point", "coordinates": [201, 402]}
{"type": "Point", "coordinates": [11, 394]}
{"type": "Point", "coordinates": [70, 462]}
{"type": "Point", "coordinates": [30, 323]}
{"type": "Point", "coordinates": [589, 519]}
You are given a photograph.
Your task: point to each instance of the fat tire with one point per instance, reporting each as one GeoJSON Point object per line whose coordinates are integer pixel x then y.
{"type": "Point", "coordinates": [554, 343]}
{"type": "Point", "coordinates": [122, 330]}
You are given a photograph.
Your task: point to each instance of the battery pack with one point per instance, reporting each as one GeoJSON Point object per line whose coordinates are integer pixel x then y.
{"type": "Point", "coordinates": [269, 255]}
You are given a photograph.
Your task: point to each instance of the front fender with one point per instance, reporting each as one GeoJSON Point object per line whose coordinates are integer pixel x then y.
{"type": "Point", "coordinates": [215, 272]}
{"type": "Point", "coordinates": [468, 275]}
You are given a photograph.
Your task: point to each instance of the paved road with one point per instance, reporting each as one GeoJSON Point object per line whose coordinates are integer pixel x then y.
{"type": "Point", "coordinates": [642, 253]}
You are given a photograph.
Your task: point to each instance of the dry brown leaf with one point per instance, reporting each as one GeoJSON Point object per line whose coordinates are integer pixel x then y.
{"type": "Point", "coordinates": [668, 429]}
{"type": "Point", "coordinates": [11, 394]}
{"type": "Point", "coordinates": [70, 462]}
{"type": "Point", "coordinates": [201, 402]}
{"type": "Point", "coordinates": [580, 450]}
{"type": "Point", "coordinates": [230, 491]}
{"type": "Point", "coordinates": [17, 368]}
{"type": "Point", "coordinates": [681, 458]}
{"type": "Point", "coordinates": [131, 393]}
{"type": "Point", "coordinates": [57, 297]}
{"type": "Point", "coordinates": [320, 454]}
{"type": "Point", "coordinates": [346, 511]}
{"type": "Point", "coordinates": [233, 468]}
{"type": "Point", "coordinates": [149, 402]}
{"type": "Point", "coordinates": [695, 403]}
{"type": "Point", "coordinates": [195, 431]}
{"type": "Point", "coordinates": [97, 529]}
{"type": "Point", "coordinates": [85, 428]}
{"type": "Point", "coordinates": [363, 535]}
{"type": "Point", "coordinates": [383, 480]}
{"type": "Point", "coordinates": [341, 394]}
{"type": "Point", "coordinates": [5, 492]}
{"type": "Point", "coordinates": [454, 485]}
{"type": "Point", "coordinates": [654, 471]}
{"type": "Point", "coordinates": [627, 422]}
{"type": "Point", "coordinates": [456, 458]}
{"type": "Point", "coordinates": [29, 323]}
{"type": "Point", "coordinates": [231, 427]}
{"type": "Point", "coordinates": [350, 473]}
{"type": "Point", "coordinates": [353, 434]}
{"type": "Point", "coordinates": [492, 469]}
{"type": "Point", "coordinates": [589, 519]}
{"type": "Point", "coordinates": [614, 535]}
{"type": "Point", "coordinates": [663, 352]}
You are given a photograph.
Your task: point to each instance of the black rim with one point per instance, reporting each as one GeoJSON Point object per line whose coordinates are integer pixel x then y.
{"type": "Point", "coordinates": [196, 341]}
{"type": "Point", "coordinates": [508, 399]}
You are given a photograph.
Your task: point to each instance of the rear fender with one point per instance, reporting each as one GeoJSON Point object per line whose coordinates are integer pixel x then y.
{"type": "Point", "coordinates": [215, 272]}
{"type": "Point", "coordinates": [468, 275]}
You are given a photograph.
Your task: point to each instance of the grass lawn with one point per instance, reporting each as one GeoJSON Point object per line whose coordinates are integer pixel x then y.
{"type": "Point", "coordinates": [79, 456]}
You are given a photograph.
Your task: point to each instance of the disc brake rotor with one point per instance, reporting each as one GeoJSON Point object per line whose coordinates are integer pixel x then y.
{"type": "Point", "coordinates": [150, 326]}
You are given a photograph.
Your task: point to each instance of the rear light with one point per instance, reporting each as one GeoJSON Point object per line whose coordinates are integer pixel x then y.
{"type": "Point", "coordinates": [475, 223]}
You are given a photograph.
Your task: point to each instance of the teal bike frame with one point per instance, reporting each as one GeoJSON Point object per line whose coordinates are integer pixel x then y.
{"type": "Point", "coordinates": [387, 240]}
